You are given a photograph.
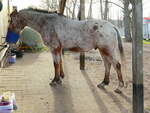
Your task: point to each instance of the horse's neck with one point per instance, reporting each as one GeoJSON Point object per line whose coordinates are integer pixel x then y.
{"type": "Point", "coordinates": [35, 22]}
{"type": "Point", "coordinates": [34, 25]}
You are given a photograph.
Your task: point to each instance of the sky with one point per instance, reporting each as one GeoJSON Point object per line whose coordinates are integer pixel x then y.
{"type": "Point", "coordinates": [115, 11]}
{"type": "Point", "coordinates": [21, 4]}
{"type": "Point", "coordinates": [146, 8]}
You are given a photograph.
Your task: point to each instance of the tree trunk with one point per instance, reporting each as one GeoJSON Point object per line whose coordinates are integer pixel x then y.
{"type": "Point", "coordinates": [62, 5]}
{"type": "Point", "coordinates": [74, 6]}
{"type": "Point", "coordinates": [101, 8]}
{"type": "Point", "coordinates": [90, 10]}
{"type": "Point", "coordinates": [106, 10]}
{"type": "Point", "coordinates": [48, 4]}
{"type": "Point", "coordinates": [127, 21]}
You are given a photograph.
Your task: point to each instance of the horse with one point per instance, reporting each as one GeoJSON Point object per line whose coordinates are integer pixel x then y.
{"type": "Point", "coordinates": [59, 32]}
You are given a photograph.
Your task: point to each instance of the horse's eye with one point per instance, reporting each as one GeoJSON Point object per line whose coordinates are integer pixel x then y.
{"type": "Point", "coordinates": [9, 20]}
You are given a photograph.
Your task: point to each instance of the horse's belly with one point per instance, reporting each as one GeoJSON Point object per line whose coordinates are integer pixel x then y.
{"type": "Point", "coordinates": [79, 47]}
{"type": "Point", "coordinates": [77, 41]}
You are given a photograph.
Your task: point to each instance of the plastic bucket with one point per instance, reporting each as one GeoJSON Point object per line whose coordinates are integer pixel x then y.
{"type": "Point", "coordinates": [12, 37]}
{"type": "Point", "coordinates": [12, 59]}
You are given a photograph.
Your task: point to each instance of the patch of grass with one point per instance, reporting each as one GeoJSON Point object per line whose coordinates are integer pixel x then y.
{"type": "Point", "coordinates": [146, 41]}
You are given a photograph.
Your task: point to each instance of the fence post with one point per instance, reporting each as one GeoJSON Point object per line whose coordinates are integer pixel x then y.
{"type": "Point", "coordinates": [82, 17]}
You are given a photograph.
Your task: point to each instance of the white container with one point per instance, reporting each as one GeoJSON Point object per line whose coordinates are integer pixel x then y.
{"type": "Point", "coordinates": [8, 108]}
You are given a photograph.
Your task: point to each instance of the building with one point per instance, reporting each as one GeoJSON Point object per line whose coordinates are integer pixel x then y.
{"type": "Point", "coordinates": [146, 28]}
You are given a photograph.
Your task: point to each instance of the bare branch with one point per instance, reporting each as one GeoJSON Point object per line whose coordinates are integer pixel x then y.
{"type": "Point", "coordinates": [115, 4]}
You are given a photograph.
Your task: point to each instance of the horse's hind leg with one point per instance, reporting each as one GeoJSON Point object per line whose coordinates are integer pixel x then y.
{"type": "Point", "coordinates": [109, 55]}
{"type": "Point", "coordinates": [107, 65]}
{"type": "Point", "coordinates": [117, 67]}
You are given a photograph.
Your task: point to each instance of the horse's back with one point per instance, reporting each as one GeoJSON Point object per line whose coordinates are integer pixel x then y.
{"type": "Point", "coordinates": [86, 34]}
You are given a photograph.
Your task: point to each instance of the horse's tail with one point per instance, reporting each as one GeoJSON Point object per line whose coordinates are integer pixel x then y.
{"type": "Point", "coordinates": [120, 45]}
{"type": "Point", "coordinates": [121, 50]}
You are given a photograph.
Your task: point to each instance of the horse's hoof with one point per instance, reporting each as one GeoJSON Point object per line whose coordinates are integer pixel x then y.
{"type": "Point", "coordinates": [118, 91]}
{"type": "Point", "coordinates": [56, 82]}
{"type": "Point", "coordinates": [126, 85]}
{"type": "Point", "coordinates": [121, 84]}
{"type": "Point", "coordinates": [53, 84]}
{"type": "Point", "coordinates": [101, 85]}
{"type": "Point", "coordinates": [59, 81]}
{"type": "Point", "coordinates": [120, 87]}
{"type": "Point", "coordinates": [62, 76]}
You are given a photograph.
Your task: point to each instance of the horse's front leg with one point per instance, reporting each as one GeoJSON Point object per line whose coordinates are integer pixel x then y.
{"type": "Point", "coordinates": [56, 53]}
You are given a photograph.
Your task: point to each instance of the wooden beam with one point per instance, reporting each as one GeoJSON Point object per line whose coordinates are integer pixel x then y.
{"type": "Point", "coordinates": [137, 58]}
{"type": "Point", "coordinates": [82, 17]}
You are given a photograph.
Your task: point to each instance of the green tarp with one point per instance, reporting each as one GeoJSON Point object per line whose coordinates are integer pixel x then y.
{"type": "Point", "coordinates": [32, 38]}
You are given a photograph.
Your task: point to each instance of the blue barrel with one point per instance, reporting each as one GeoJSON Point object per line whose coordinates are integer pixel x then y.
{"type": "Point", "coordinates": [12, 37]}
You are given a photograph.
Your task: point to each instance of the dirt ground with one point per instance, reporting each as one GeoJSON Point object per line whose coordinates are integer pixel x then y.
{"type": "Point", "coordinates": [29, 79]}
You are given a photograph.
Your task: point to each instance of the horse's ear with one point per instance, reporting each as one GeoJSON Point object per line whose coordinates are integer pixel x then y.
{"type": "Point", "coordinates": [15, 12]}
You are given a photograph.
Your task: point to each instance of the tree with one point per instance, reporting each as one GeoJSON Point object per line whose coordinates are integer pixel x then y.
{"type": "Point", "coordinates": [127, 20]}
{"type": "Point", "coordinates": [74, 6]}
{"type": "Point", "coordinates": [50, 5]}
{"type": "Point", "coordinates": [101, 8]}
{"type": "Point", "coordinates": [90, 10]}
{"type": "Point", "coordinates": [106, 10]}
{"type": "Point", "coordinates": [62, 5]}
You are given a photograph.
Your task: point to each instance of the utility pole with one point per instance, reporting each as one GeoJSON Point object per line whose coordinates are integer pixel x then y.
{"type": "Point", "coordinates": [137, 57]}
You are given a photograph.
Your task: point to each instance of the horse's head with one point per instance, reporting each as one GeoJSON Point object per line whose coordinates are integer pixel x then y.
{"type": "Point", "coordinates": [17, 22]}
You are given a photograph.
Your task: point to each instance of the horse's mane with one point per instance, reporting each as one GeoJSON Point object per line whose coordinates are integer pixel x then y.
{"type": "Point", "coordinates": [42, 11]}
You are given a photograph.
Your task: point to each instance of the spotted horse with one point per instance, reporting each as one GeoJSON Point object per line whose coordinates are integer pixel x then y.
{"type": "Point", "coordinates": [59, 32]}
